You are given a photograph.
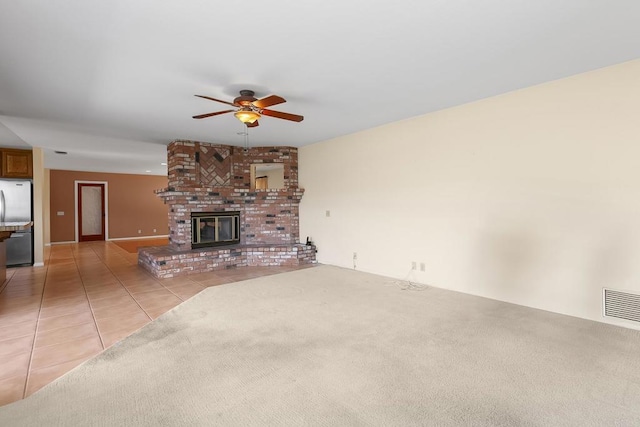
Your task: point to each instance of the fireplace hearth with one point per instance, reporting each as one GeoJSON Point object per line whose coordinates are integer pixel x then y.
{"type": "Point", "coordinates": [219, 218]}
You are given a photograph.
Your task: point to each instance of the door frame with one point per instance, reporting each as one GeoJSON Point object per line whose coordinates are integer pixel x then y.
{"type": "Point", "coordinates": [106, 207]}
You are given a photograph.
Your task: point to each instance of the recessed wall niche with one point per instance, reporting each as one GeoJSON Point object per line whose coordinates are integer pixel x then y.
{"type": "Point", "coordinates": [267, 176]}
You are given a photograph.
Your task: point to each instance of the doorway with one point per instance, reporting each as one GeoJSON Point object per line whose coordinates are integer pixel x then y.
{"type": "Point", "coordinates": [91, 211]}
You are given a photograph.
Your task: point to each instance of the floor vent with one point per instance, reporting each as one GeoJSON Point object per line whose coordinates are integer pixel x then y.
{"type": "Point", "coordinates": [622, 305]}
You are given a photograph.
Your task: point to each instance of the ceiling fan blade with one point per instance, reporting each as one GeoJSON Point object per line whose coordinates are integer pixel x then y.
{"type": "Point", "coordinates": [281, 115]}
{"type": "Point", "coordinates": [269, 101]}
{"type": "Point", "coordinates": [252, 125]}
{"type": "Point", "coordinates": [217, 100]}
{"type": "Point", "coordinates": [202, 116]}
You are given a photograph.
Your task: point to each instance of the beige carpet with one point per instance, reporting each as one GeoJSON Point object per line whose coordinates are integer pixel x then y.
{"type": "Point", "coordinates": [333, 347]}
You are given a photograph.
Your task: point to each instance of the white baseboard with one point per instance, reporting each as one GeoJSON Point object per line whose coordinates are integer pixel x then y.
{"type": "Point", "coordinates": [38, 264]}
{"type": "Point", "coordinates": [157, 236]}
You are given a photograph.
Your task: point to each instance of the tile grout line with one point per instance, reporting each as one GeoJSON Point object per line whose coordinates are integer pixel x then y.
{"type": "Point", "coordinates": [56, 364]}
{"type": "Point", "coordinates": [103, 261]}
{"type": "Point", "coordinates": [160, 283]}
{"type": "Point", "coordinates": [121, 284]}
{"type": "Point", "coordinates": [91, 308]}
{"type": "Point", "coordinates": [84, 288]}
{"type": "Point", "coordinates": [47, 265]}
{"type": "Point", "coordinates": [147, 273]}
{"type": "Point", "coordinates": [4, 285]}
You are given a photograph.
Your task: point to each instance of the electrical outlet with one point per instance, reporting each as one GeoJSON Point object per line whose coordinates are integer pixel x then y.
{"type": "Point", "coordinates": [139, 231]}
{"type": "Point", "coordinates": [422, 266]}
{"type": "Point", "coordinates": [355, 255]}
{"type": "Point", "coordinates": [413, 265]}
{"type": "Point", "coordinates": [327, 214]}
{"type": "Point", "coordinates": [154, 230]}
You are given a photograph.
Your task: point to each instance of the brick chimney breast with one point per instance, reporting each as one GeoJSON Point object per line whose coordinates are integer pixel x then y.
{"type": "Point", "coordinates": [205, 177]}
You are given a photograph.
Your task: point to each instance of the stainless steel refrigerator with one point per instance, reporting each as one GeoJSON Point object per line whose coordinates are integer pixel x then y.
{"type": "Point", "coordinates": [16, 206]}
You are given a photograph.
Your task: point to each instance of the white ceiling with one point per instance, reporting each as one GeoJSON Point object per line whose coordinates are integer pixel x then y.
{"type": "Point", "coordinates": [112, 82]}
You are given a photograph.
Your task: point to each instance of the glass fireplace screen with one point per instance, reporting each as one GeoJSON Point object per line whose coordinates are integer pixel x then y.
{"type": "Point", "coordinates": [212, 229]}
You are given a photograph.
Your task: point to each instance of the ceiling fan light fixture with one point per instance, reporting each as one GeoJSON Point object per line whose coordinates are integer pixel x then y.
{"type": "Point", "coordinates": [247, 116]}
{"type": "Point", "coordinates": [249, 109]}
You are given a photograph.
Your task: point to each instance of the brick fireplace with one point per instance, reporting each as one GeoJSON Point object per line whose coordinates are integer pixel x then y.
{"type": "Point", "coordinates": [208, 178]}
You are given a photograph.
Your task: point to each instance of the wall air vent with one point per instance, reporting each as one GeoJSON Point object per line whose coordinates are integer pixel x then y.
{"type": "Point", "coordinates": [621, 305]}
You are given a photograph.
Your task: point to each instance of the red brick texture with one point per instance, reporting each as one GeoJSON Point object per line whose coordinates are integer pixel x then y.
{"type": "Point", "coordinates": [164, 262]}
{"type": "Point", "coordinates": [217, 178]}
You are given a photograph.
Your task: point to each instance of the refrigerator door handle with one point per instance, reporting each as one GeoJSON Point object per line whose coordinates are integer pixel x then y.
{"type": "Point", "coordinates": [2, 210]}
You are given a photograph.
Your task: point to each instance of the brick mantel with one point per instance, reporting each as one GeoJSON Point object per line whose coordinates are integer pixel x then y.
{"type": "Point", "coordinates": [205, 177]}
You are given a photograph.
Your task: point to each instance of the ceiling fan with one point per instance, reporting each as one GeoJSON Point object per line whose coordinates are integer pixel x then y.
{"type": "Point", "coordinates": [250, 109]}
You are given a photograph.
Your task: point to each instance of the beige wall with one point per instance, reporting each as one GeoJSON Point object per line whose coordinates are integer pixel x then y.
{"type": "Point", "coordinates": [275, 178]}
{"type": "Point", "coordinates": [46, 204]}
{"type": "Point", "coordinates": [132, 204]}
{"type": "Point", "coordinates": [531, 197]}
{"type": "Point", "coordinates": [39, 206]}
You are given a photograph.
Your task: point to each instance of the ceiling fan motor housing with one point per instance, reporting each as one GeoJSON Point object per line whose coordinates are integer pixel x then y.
{"type": "Point", "coordinates": [246, 98]}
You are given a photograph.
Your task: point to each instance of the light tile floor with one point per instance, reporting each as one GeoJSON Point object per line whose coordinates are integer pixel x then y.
{"type": "Point", "coordinates": [86, 297]}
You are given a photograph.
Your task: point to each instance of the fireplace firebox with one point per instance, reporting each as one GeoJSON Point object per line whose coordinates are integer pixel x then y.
{"type": "Point", "coordinates": [214, 229]}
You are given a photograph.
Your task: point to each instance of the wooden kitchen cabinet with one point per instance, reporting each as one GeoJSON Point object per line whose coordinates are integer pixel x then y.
{"type": "Point", "coordinates": [16, 163]}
